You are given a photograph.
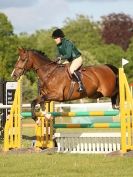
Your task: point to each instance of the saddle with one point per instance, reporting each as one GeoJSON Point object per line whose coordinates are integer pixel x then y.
{"type": "Point", "coordinates": [67, 66]}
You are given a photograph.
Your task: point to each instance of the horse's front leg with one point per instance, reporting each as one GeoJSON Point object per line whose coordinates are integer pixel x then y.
{"type": "Point", "coordinates": [38, 100]}
{"type": "Point", "coordinates": [33, 105]}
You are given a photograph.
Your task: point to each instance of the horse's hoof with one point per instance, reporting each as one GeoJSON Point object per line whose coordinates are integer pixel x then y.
{"type": "Point", "coordinates": [115, 107]}
{"type": "Point", "coordinates": [48, 116]}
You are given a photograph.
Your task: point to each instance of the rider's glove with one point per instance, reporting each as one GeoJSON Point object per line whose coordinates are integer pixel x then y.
{"type": "Point", "coordinates": [59, 60]}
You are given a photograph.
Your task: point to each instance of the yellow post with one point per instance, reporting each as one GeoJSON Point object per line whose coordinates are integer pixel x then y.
{"type": "Point", "coordinates": [126, 113]}
{"type": "Point", "coordinates": [39, 133]}
{"type": "Point", "coordinates": [44, 130]}
{"type": "Point", "coordinates": [51, 106]}
{"type": "Point", "coordinates": [12, 130]}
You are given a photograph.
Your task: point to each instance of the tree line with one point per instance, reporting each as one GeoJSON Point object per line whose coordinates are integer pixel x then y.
{"type": "Point", "coordinates": [105, 41]}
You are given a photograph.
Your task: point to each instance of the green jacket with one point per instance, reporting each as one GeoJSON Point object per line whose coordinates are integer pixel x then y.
{"type": "Point", "coordinates": [67, 50]}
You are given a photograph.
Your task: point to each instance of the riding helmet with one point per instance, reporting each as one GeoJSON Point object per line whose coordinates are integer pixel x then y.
{"type": "Point", "coordinates": [57, 33]}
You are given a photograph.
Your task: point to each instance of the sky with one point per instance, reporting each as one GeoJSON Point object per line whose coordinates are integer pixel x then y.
{"type": "Point", "coordinates": [31, 15]}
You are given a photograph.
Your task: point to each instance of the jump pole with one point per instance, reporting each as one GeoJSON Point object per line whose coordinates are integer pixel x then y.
{"type": "Point", "coordinates": [93, 125]}
{"type": "Point", "coordinates": [74, 114]}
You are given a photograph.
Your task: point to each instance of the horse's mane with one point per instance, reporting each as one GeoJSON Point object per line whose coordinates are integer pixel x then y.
{"type": "Point", "coordinates": [43, 54]}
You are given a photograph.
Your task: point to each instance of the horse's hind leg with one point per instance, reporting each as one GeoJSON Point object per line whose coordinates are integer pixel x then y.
{"type": "Point", "coordinates": [115, 101]}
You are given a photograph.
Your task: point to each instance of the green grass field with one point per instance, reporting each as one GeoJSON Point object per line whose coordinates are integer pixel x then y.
{"type": "Point", "coordinates": [64, 165]}
{"type": "Point", "coordinates": [38, 164]}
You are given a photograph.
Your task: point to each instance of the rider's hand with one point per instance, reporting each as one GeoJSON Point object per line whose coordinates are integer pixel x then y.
{"type": "Point", "coordinates": [59, 60]}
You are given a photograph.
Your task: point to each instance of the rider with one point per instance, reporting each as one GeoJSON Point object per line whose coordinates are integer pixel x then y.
{"type": "Point", "coordinates": [67, 51]}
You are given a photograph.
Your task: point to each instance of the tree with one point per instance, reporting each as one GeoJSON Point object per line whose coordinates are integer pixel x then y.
{"type": "Point", "coordinates": [89, 59]}
{"type": "Point", "coordinates": [6, 28]}
{"type": "Point", "coordinates": [84, 32]}
{"type": "Point", "coordinates": [129, 66]}
{"type": "Point", "coordinates": [45, 43]}
{"type": "Point", "coordinates": [29, 90]}
{"type": "Point", "coordinates": [109, 54]}
{"type": "Point", "coordinates": [8, 47]}
{"type": "Point", "coordinates": [116, 29]}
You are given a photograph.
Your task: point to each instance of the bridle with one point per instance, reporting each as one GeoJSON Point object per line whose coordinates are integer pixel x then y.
{"type": "Point", "coordinates": [24, 66]}
{"type": "Point", "coordinates": [25, 60]}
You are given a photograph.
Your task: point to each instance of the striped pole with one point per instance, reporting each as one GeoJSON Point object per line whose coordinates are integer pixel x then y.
{"type": "Point", "coordinates": [74, 114]}
{"type": "Point", "coordinates": [93, 125]}
{"type": "Point", "coordinates": [89, 113]}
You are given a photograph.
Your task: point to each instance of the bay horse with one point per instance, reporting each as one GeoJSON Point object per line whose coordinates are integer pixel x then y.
{"type": "Point", "coordinates": [57, 85]}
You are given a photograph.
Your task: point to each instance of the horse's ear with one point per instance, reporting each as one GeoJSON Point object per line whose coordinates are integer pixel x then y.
{"type": "Point", "coordinates": [20, 49]}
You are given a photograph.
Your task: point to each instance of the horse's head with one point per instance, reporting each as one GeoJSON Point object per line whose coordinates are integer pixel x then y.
{"type": "Point", "coordinates": [22, 65]}
{"type": "Point", "coordinates": [31, 59]}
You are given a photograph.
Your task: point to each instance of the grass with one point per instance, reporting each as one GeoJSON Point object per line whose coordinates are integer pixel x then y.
{"type": "Point", "coordinates": [64, 165]}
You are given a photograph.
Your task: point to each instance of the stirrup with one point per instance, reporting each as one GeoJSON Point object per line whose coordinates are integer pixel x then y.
{"type": "Point", "coordinates": [80, 89]}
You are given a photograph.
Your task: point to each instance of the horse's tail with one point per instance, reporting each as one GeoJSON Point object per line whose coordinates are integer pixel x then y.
{"type": "Point", "coordinates": [116, 71]}
{"type": "Point", "coordinates": [113, 68]}
{"type": "Point", "coordinates": [115, 98]}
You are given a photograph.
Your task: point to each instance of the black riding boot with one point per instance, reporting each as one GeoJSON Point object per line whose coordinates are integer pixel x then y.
{"type": "Point", "coordinates": [78, 79]}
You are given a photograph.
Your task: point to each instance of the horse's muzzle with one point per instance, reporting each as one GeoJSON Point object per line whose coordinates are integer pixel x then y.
{"type": "Point", "coordinates": [14, 75]}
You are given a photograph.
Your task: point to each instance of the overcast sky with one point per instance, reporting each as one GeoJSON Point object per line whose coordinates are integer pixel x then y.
{"type": "Point", "coordinates": [31, 15]}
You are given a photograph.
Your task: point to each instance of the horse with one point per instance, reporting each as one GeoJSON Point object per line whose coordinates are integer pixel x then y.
{"type": "Point", "coordinates": [56, 84]}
